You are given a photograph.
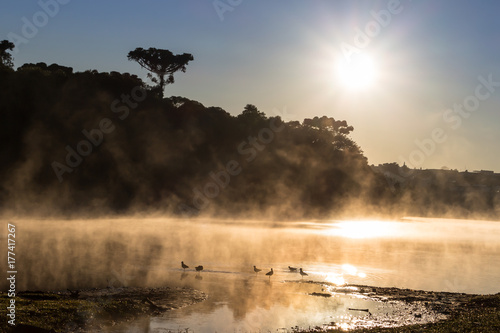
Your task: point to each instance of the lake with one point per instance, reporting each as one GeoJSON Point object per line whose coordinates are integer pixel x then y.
{"type": "Point", "coordinates": [416, 253]}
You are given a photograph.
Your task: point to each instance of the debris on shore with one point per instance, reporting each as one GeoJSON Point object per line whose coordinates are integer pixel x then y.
{"type": "Point", "coordinates": [419, 311]}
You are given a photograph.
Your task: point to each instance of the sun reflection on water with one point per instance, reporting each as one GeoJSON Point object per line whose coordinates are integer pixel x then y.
{"type": "Point", "coordinates": [351, 270]}
{"type": "Point", "coordinates": [335, 279]}
{"type": "Point", "coordinates": [346, 326]}
{"type": "Point", "coordinates": [341, 279]}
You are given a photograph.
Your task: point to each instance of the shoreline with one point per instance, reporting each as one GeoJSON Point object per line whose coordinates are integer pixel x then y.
{"type": "Point", "coordinates": [479, 313]}
{"type": "Point", "coordinates": [93, 310]}
{"type": "Point", "coordinates": [457, 312]}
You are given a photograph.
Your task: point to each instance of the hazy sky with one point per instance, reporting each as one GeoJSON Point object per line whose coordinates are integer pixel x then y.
{"type": "Point", "coordinates": [427, 56]}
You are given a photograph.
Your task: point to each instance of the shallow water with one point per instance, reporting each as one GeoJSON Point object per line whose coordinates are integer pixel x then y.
{"type": "Point", "coordinates": [428, 254]}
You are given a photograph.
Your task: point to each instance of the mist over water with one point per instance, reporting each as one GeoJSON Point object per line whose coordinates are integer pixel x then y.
{"type": "Point", "coordinates": [111, 180]}
{"type": "Point", "coordinates": [429, 254]}
{"type": "Point", "coordinates": [416, 253]}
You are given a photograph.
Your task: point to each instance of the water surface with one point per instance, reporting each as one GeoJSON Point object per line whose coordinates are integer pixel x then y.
{"type": "Point", "coordinates": [416, 253]}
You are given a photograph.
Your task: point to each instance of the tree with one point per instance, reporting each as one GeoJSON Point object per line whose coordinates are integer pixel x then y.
{"type": "Point", "coordinates": [252, 118]}
{"type": "Point", "coordinates": [6, 58]}
{"type": "Point", "coordinates": [161, 63]}
{"type": "Point", "coordinates": [329, 124]}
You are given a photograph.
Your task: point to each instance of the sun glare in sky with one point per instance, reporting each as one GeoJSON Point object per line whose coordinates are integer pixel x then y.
{"type": "Point", "coordinates": [357, 73]}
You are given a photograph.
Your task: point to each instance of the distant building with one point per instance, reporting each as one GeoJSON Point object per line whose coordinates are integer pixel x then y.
{"type": "Point", "coordinates": [484, 172]}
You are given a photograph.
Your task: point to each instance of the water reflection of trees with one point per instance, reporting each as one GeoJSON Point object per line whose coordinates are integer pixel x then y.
{"type": "Point", "coordinates": [245, 295]}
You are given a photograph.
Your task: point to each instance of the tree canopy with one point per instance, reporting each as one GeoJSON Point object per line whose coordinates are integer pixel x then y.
{"type": "Point", "coordinates": [161, 63]}
{"type": "Point", "coordinates": [176, 155]}
{"type": "Point", "coordinates": [329, 124]}
{"type": "Point", "coordinates": [5, 57]}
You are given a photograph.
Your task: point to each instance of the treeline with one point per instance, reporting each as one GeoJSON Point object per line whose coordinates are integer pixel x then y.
{"type": "Point", "coordinates": [91, 143]}
{"type": "Point", "coordinates": [101, 142]}
{"type": "Point", "coordinates": [443, 192]}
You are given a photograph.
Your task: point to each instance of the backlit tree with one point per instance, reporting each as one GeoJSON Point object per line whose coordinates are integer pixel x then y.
{"type": "Point", "coordinates": [161, 63]}
{"type": "Point", "coordinates": [5, 57]}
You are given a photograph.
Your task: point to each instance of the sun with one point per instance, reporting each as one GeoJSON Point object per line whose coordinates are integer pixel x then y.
{"type": "Point", "coordinates": [357, 73]}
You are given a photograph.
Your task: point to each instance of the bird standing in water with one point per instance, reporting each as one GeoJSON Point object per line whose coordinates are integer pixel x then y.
{"type": "Point", "coordinates": [271, 272]}
{"type": "Point", "coordinates": [292, 269]}
{"type": "Point", "coordinates": [302, 273]}
{"type": "Point", "coordinates": [184, 266]}
{"type": "Point", "coordinates": [199, 268]}
{"type": "Point", "coordinates": [256, 270]}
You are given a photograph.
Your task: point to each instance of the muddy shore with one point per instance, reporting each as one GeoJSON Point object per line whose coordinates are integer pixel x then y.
{"type": "Point", "coordinates": [464, 312]}
{"type": "Point", "coordinates": [419, 311]}
{"type": "Point", "coordinates": [95, 309]}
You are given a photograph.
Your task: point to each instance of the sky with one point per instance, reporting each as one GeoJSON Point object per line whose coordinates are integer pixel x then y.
{"type": "Point", "coordinates": [429, 96]}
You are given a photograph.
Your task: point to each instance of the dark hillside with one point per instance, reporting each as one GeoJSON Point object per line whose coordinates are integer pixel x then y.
{"type": "Point", "coordinates": [103, 143]}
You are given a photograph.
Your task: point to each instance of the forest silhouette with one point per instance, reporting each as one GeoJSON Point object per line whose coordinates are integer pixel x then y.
{"type": "Point", "coordinates": [144, 153]}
